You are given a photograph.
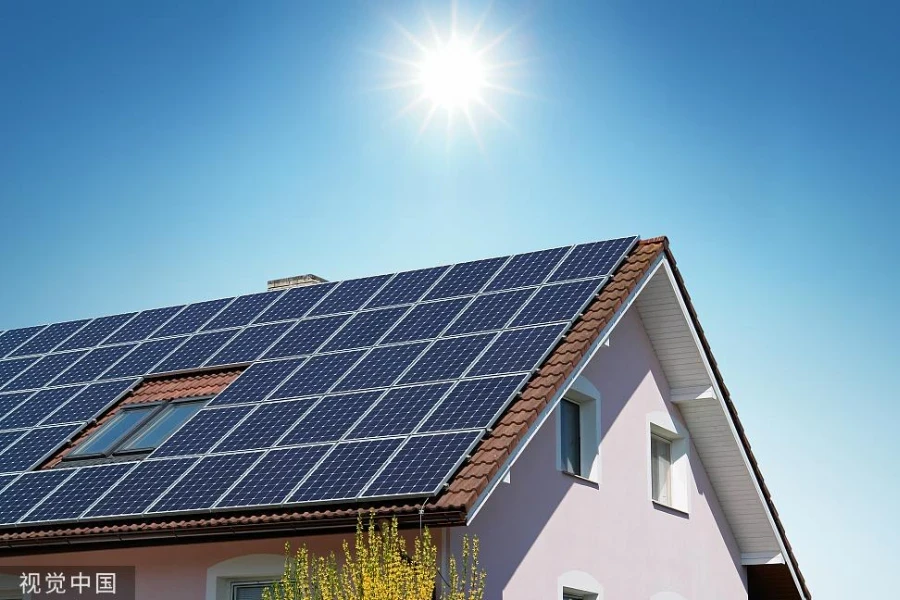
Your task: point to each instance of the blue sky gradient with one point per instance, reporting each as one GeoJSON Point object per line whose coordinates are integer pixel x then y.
{"type": "Point", "coordinates": [160, 154]}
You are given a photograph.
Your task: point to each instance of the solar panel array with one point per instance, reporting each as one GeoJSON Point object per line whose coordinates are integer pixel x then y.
{"type": "Point", "coordinates": [355, 390]}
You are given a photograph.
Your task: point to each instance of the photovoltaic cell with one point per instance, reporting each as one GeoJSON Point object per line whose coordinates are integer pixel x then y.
{"type": "Point", "coordinates": [11, 339]}
{"type": "Point", "coordinates": [91, 402]}
{"type": "Point", "coordinates": [257, 382]}
{"type": "Point", "coordinates": [206, 482]}
{"type": "Point", "coordinates": [49, 338]}
{"type": "Point", "coordinates": [191, 318]}
{"type": "Point", "coordinates": [195, 351]}
{"type": "Point", "coordinates": [19, 496]}
{"type": "Point", "coordinates": [399, 411]}
{"type": "Point", "coordinates": [517, 350]}
{"type": "Point", "coordinates": [423, 464]}
{"type": "Point", "coordinates": [330, 418]}
{"type": "Point", "coordinates": [592, 260]}
{"type": "Point", "coordinates": [557, 302]}
{"type": "Point", "coordinates": [34, 446]}
{"type": "Point", "coordinates": [7, 438]}
{"type": "Point", "coordinates": [527, 269]}
{"type": "Point", "coordinates": [344, 473]}
{"type": "Point", "coordinates": [141, 326]}
{"type": "Point", "coordinates": [381, 367]}
{"type": "Point", "coordinates": [306, 336]}
{"type": "Point", "coordinates": [317, 375]}
{"type": "Point", "coordinates": [93, 333]}
{"type": "Point", "coordinates": [349, 295]}
{"type": "Point", "coordinates": [267, 423]}
{"type": "Point", "coordinates": [474, 403]}
{"type": "Point", "coordinates": [142, 359]}
{"type": "Point", "coordinates": [10, 401]}
{"type": "Point", "coordinates": [295, 302]}
{"type": "Point", "coordinates": [249, 344]}
{"type": "Point", "coordinates": [426, 321]}
{"type": "Point", "coordinates": [273, 478]}
{"type": "Point", "coordinates": [93, 364]}
{"type": "Point", "coordinates": [406, 287]}
{"type": "Point", "coordinates": [10, 368]}
{"type": "Point", "coordinates": [6, 480]}
{"type": "Point", "coordinates": [38, 406]}
{"type": "Point", "coordinates": [365, 329]}
{"type": "Point", "coordinates": [202, 431]}
{"type": "Point", "coordinates": [465, 278]}
{"type": "Point", "coordinates": [491, 311]}
{"type": "Point", "coordinates": [44, 370]}
{"type": "Point", "coordinates": [74, 496]}
{"type": "Point", "coordinates": [447, 359]}
{"type": "Point", "coordinates": [242, 310]}
{"type": "Point", "coordinates": [135, 493]}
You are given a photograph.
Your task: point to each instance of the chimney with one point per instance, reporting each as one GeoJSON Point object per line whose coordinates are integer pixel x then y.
{"type": "Point", "coordinates": [295, 281]}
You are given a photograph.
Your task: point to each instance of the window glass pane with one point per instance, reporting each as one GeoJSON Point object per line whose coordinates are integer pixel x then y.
{"type": "Point", "coordinates": [113, 431]}
{"type": "Point", "coordinates": [156, 432]}
{"type": "Point", "coordinates": [570, 434]}
{"type": "Point", "coordinates": [660, 461]}
{"type": "Point", "coordinates": [248, 591]}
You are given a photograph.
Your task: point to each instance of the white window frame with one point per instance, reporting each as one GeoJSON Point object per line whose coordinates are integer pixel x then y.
{"type": "Point", "coordinates": [578, 584]}
{"type": "Point", "coordinates": [236, 584]}
{"type": "Point", "coordinates": [663, 425]}
{"type": "Point", "coordinates": [241, 569]}
{"type": "Point", "coordinates": [587, 397]}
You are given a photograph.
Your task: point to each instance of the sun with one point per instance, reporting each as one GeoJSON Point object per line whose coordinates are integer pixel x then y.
{"type": "Point", "coordinates": [452, 75]}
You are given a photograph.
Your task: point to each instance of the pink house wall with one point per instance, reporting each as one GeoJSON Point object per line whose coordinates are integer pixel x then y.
{"type": "Point", "coordinates": [545, 523]}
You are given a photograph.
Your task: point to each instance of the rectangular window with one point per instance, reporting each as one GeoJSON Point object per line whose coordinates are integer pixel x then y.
{"type": "Point", "coordinates": [570, 436]}
{"type": "Point", "coordinates": [661, 469]}
{"type": "Point", "coordinates": [248, 591]}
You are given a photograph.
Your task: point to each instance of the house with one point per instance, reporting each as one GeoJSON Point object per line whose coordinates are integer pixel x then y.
{"type": "Point", "coordinates": [567, 410]}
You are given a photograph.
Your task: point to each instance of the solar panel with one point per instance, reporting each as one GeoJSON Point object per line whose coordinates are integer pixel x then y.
{"type": "Point", "coordinates": [364, 329]}
{"type": "Point", "coordinates": [10, 368]}
{"type": "Point", "coordinates": [273, 477]}
{"type": "Point", "coordinates": [19, 496]}
{"type": "Point", "coordinates": [7, 438]}
{"type": "Point", "coordinates": [242, 310]}
{"type": "Point", "coordinates": [202, 431]}
{"type": "Point", "coordinates": [426, 321]}
{"type": "Point", "coordinates": [423, 464]}
{"type": "Point", "coordinates": [330, 419]}
{"type": "Point", "coordinates": [12, 339]}
{"type": "Point", "coordinates": [349, 295]}
{"type": "Point", "coordinates": [592, 260]}
{"type": "Point", "coordinates": [407, 287]}
{"type": "Point", "coordinates": [90, 402]}
{"type": "Point", "coordinates": [317, 375]}
{"type": "Point", "coordinates": [257, 382]}
{"type": "Point", "coordinates": [400, 411]}
{"type": "Point", "coordinates": [527, 269]}
{"type": "Point", "coordinates": [517, 350]}
{"type": "Point", "coordinates": [491, 311]}
{"type": "Point", "coordinates": [10, 401]}
{"type": "Point", "coordinates": [306, 336]}
{"type": "Point", "coordinates": [141, 360]}
{"type": "Point", "coordinates": [93, 364]}
{"type": "Point", "coordinates": [474, 403]}
{"type": "Point", "coordinates": [44, 370]}
{"type": "Point", "coordinates": [134, 493]}
{"type": "Point", "coordinates": [465, 278]}
{"type": "Point", "coordinates": [191, 318]}
{"type": "Point", "coordinates": [195, 351]}
{"type": "Point", "coordinates": [94, 332]}
{"type": "Point", "coordinates": [557, 302]}
{"type": "Point", "coordinates": [49, 338]}
{"type": "Point", "coordinates": [141, 326]}
{"type": "Point", "coordinates": [381, 367]}
{"type": "Point", "coordinates": [249, 344]}
{"type": "Point", "coordinates": [295, 302]}
{"type": "Point", "coordinates": [34, 446]}
{"type": "Point", "coordinates": [78, 492]}
{"type": "Point", "coordinates": [265, 425]}
{"type": "Point", "coordinates": [37, 407]}
{"type": "Point", "coordinates": [343, 474]}
{"type": "Point", "coordinates": [205, 482]}
{"type": "Point", "coordinates": [447, 359]}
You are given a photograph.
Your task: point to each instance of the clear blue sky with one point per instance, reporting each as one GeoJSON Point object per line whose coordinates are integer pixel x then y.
{"type": "Point", "coordinates": [162, 154]}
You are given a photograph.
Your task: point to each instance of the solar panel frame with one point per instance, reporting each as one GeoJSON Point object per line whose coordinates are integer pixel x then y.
{"type": "Point", "coordinates": [490, 311]}
{"type": "Point", "coordinates": [194, 352]}
{"type": "Point", "coordinates": [205, 482]}
{"type": "Point", "coordinates": [295, 303]}
{"type": "Point", "coordinates": [95, 332]}
{"type": "Point", "coordinates": [93, 364]}
{"type": "Point", "coordinates": [488, 364]}
{"type": "Point", "coordinates": [380, 367]}
{"type": "Point", "coordinates": [192, 318]}
{"type": "Point", "coordinates": [258, 378]}
{"type": "Point", "coordinates": [77, 493]}
{"type": "Point", "coordinates": [134, 493]}
{"type": "Point", "coordinates": [11, 368]}
{"type": "Point", "coordinates": [547, 306]}
{"type": "Point", "coordinates": [13, 338]}
{"type": "Point", "coordinates": [19, 496]}
{"type": "Point", "coordinates": [330, 418]}
{"type": "Point", "coordinates": [318, 374]}
{"type": "Point", "coordinates": [43, 371]}
{"type": "Point", "coordinates": [202, 431]}
{"type": "Point", "coordinates": [427, 320]}
{"type": "Point", "coordinates": [11, 400]}
{"type": "Point", "coordinates": [464, 408]}
{"type": "Point", "coordinates": [306, 337]}
{"type": "Point", "coordinates": [521, 271]}
{"type": "Point", "coordinates": [467, 278]}
{"type": "Point", "coordinates": [350, 295]}
{"type": "Point", "coordinates": [447, 358]}
{"type": "Point", "coordinates": [243, 310]}
{"type": "Point", "coordinates": [50, 337]}
{"type": "Point", "coordinates": [249, 344]}
{"type": "Point", "coordinates": [407, 287]}
{"type": "Point", "coordinates": [582, 263]}
{"type": "Point", "coordinates": [91, 402]}
{"type": "Point", "coordinates": [48, 440]}
{"type": "Point", "coordinates": [365, 329]}
{"type": "Point", "coordinates": [142, 325]}
{"type": "Point", "coordinates": [399, 411]}
{"type": "Point", "coordinates": [268, 423]}
{"type": "Point", "coordinates": [143, 358]}
{"type": "Point", "coordinates": [276, 474]}
{"type": "Point", "coordinates": [38, 407]}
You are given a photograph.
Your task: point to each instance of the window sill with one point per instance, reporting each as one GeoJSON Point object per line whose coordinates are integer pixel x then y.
{"type": "Point", "coordinates": [581, 479]}
{"type": "Point", "coordinates": [670, 509]}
